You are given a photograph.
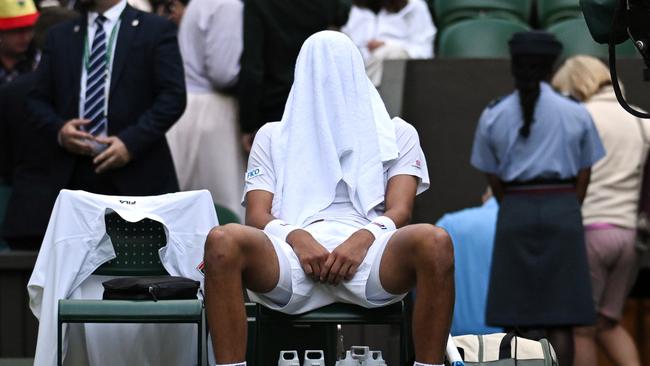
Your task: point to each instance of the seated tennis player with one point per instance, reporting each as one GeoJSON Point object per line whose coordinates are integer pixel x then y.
{"type": "Point", "coordinates": [329, 193]}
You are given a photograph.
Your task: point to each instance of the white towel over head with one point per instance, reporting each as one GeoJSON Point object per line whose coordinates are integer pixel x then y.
{"type": "Point", "coordinates": [335, 127]}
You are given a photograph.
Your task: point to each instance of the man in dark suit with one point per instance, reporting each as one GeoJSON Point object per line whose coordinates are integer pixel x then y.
{"type": "Point", "coordinates": [110, 84]}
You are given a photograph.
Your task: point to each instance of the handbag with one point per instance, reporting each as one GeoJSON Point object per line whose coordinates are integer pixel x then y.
{"type": "Point", "coordinates": [504, 349]}
{"type": "Point", "coordinates": [150, 288]}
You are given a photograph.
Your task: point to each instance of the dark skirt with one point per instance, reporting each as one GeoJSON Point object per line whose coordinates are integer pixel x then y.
{"type": "Point", "coordinates": [540, 274]}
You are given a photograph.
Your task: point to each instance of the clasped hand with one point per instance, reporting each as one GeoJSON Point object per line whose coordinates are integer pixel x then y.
{"type": "Point", "coordinates": [323, 266]}
{"type": "Point", "coordinates": [75, 140]}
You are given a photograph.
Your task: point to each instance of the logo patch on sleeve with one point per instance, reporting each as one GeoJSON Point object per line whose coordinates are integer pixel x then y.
{"type": "Point", "coordinates": [255, 172]}
{"type": "Point", "coordinates": [201, 268]}
{"type": "Point", "coordinates": [417, 164]}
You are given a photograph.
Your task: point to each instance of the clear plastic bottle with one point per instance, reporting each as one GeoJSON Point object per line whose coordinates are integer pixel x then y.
{"type": "Point", "coordinates": [340, 345]}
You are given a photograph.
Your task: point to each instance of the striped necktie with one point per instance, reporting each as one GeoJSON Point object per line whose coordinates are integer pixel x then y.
{"type": "Point", "coordinates": [96, 72]}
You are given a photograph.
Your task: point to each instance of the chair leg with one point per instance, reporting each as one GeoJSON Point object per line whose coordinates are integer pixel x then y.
{"type": "Point", "coordinates": [199, 342]}
{"type": "Point", "coordinates": [59, 344]}
{"type": "Point", "coordinates": [258, 336]}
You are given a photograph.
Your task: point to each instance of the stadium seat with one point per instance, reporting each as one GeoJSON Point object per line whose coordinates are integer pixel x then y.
{"type": "Point", "coordinates": [478, 38]}
{"type": "Point", "coordinates": [451, 11]}
{"type": "Point", "coordinates": [226, 216]}
{"type": "Point", "coordinates": [339, 313]}
{"type": "Point", "coordinates": [576, 39]}
{"type": "Point", "coordinates": [136, 247]}
{"type": "Point", "coordinates": [5, 192]}
{"type": "Point", "coordinates": [553, 11]}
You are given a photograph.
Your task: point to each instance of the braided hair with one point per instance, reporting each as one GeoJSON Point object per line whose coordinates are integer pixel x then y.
{"type": "Point", "coordinates": [533, 55]}
{"type": "Point", "coordinates": [529, 71]}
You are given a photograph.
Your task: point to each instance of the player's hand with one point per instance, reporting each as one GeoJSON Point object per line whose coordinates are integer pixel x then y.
{"type": "Point", "coordinates": [374, 44]}
{"type": "Point", "coordinates": [311, 254]}
{"type": "Point", "coordinates": [73, 139]}
{"type": "Point", "coordinates": [344, 261]}
{"type": "Point", "coordinates": [116, 155]}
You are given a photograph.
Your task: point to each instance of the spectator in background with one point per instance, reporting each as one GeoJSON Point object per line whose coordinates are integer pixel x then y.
{"type": "Point", "coordinates": [274, 31]}
{"type": "Point", "coordinates": [472, 232]}
{"type": "Point", "coordinates": [49, 17]}
{"type": "Point", "coordinates": [205, 142]}
{"type": "Point", "coordinates": [108, 103]}
{"type": "Point", "coordinates": [17, 52]}
{"type": "Point", "coordinates": [390, 29]}
{"type": "Point", "coordinates": [536, 148]}
{"type": "Point", "coordinates": [171, 9]}
{"type": "Point", "coordinates": [609, 210]}
{"type": "Point", "coordinates": [25, 154]}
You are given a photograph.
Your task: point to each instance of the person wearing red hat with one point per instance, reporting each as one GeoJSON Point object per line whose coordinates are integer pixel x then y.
{"type": "Point", "coordinates": [17, 53]}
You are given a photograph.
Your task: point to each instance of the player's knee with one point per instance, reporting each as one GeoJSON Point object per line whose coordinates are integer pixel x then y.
{"type": "Point", "coordinates": [435, 248]}
{"type": "Point", "coordinates": [222, 250]}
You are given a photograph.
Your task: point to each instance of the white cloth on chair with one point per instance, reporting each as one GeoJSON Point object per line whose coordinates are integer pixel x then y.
{"type": "Point", "coordinates": [76, 244]}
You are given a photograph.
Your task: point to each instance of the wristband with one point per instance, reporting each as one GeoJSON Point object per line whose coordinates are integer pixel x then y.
{"type": "Point", "coordinates": [380, 225]}
{"type": "Point", "coordinates": [279, 229]}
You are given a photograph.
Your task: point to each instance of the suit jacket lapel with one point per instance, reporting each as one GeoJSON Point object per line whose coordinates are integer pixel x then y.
{"type": "Point", "coordinates": [75, 53]}
{"type": "Point", "coordinates": [128, 27]}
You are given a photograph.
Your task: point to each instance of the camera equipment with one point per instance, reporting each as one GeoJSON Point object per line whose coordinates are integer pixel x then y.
{"type": "Point", "coordinates": [613, 22]}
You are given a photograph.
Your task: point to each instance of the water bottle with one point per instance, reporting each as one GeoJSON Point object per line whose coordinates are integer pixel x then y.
{"type": "Point", "coordinates": [348, 360]}
{"type": "Point", "coordinates": [288, 358]}
{"type": "Point", "coordinates": [314, 358]}
{"type": "Point", "coordinates": [374, 359]}
{"type": "Point", "coordinates": [360, 353]}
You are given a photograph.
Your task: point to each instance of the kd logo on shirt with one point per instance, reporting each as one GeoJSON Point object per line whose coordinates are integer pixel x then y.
{"type": "Point", "coordinates": [255, 172]}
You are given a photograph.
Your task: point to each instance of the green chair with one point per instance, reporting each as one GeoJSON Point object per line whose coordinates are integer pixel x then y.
{"type": "Point", "coordinates": [226, 215]}
{"type": "Point", "coordinates": [5, 193]}
{"type": "Point", "coordinates": [554, 11]}
{"type": "Point", "coordinates": [451, 11]}
{"type": "Point", "coordinates": [478, 38]}
{"type": "Point", "coordinates": [576, 40]}
{"type": "Point", "coordinates": [136, 247]}
{"type": "Point", "coordinates": [338, 313]}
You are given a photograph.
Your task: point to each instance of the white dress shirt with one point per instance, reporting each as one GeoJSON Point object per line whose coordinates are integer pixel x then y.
{"type": "Point", "coordinates": [112, 24]}
{"type": "Point", "coordinates": [211, 43]}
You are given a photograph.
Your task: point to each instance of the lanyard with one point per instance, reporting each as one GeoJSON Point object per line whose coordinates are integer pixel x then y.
{"type": "Point", "coordinates": [109, 49]}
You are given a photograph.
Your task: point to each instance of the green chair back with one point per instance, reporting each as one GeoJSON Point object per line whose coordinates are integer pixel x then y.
{"type": "Point", "coordinates": [451, 11]}
{"type": "Point", "coordinates": [478, 38]}
{"type": "Point", "coordinates": [5, 193]}
{"type": "Point", "coordinates": [136, 247]}
{"type": "Point", "coordinates": [554, 11]}
{"type": "Point", "coordinates": [226, 216]}
{"type": "Point", "coordinates": [576, 40]}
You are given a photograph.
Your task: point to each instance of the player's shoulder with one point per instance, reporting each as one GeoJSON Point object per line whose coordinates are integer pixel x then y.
{"type": "Point", "coordinates": [267, 129]}
{"type": "Point", "coordinates": [403, 128]}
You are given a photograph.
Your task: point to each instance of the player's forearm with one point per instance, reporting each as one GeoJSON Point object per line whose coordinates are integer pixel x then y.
{"type": "Point", "coordinates": [401, 216]}
{"type": "Point", "coordinates": [258, 219]}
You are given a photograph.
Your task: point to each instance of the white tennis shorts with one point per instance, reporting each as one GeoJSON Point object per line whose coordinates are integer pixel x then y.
{"type": "Point", "coordinates": [296, 293]}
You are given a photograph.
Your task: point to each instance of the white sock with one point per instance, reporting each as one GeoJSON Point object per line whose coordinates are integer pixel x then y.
{"type": "Point", "coordinates": [232, 364]}
{"type": "Point", "coordinates": [425, 364]}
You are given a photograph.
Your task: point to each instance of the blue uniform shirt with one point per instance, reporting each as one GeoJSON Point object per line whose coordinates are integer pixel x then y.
{"type": "Point", "coordinates": [472, 232]}
{"type": "Point", "coordinates": [562, 140]}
